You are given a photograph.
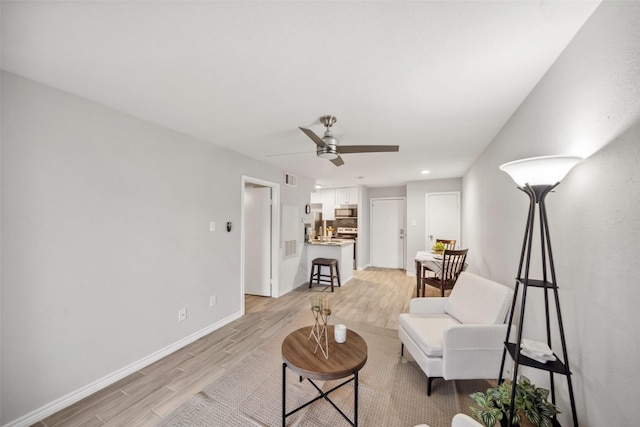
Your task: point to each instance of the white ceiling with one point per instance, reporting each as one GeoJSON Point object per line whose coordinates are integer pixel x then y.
{"type": "Point", "coordinates": [438, 78]}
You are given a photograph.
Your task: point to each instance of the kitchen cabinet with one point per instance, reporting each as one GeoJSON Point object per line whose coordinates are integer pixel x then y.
{"type": "Point", "coordinates": [352, 193]}
{"type": "Point", "coordinates": [328, 204]}
{"type": "Point", "coordinates": [330, 198]}
{"type": "Point", "coordinates": [346, 196]}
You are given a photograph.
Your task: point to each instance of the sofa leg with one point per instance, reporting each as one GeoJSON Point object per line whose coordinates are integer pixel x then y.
{"type": "Point", "coordinates": [402, 349]}
{"type": "Point", "coordinates": [429, 381]}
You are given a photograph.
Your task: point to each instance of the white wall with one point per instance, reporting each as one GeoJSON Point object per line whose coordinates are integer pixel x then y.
{"type": "Point", "coordinates": [588, 104]}
{"type": "Point", "coordinates": [105, 222]}
{"type": "Point", "coordinates": [416, 201]}
{"type": "Point", "coordinates": [382, 192]}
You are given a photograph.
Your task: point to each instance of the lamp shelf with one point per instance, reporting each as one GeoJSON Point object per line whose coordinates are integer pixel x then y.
{"type": "Point", "coordinates": [555, 366]}
{"type": "Point", "coordinates": [537, 283]}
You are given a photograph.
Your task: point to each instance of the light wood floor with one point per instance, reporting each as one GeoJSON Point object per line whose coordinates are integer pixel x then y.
{"type": "Point", "coordinates": [375, 296]}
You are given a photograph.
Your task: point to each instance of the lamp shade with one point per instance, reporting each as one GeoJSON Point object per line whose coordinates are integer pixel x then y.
{"type": "Point", "coordinates": [546, 170]}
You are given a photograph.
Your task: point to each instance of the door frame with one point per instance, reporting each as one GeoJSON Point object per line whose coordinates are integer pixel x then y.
{"type": "Point", "coordinates": [426, 216]}
{"type": "Point", "coordinates": [275, 233]}
{"type": "Point", "coordinates": [404, 221]}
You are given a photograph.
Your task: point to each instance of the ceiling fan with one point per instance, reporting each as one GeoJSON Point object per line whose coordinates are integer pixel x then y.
{"type": "Point", "coordinates": [330, 148]}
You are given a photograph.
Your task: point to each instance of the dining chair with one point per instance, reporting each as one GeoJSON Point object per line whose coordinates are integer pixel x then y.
{"type": "Point", "coordinates": [448, 244]}
{"type": "Point", "coordinates": [452, 265]}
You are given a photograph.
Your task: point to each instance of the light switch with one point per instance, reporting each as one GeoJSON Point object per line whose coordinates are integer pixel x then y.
{"type": "Point", "coordinates": [212, 226]}
{"type": "Point", "coordinates": [413, 222]}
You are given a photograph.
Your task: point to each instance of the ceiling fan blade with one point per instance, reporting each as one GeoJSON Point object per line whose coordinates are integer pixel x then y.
{"type": "Point", "coordinates": [315, 138]}
{"type": "Point", "coordinates": [348, 149]}
{"type": "Point", "coordinates": [338, 161]}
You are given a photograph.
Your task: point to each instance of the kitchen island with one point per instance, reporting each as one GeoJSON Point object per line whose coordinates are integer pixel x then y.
{"type": "Point", "coordinates": [340, 249]}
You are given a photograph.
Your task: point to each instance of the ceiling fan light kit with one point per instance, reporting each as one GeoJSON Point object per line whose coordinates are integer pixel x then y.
{"type": "Point", "coordinates": [329, 147]}
{"type": "Point", "coordinates": [327, 153]}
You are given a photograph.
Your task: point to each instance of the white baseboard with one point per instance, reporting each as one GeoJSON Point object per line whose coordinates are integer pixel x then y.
{"type": "Point", "coordinates": [75, 396]}
{"type": "Point", "coordinates": [364, 267]}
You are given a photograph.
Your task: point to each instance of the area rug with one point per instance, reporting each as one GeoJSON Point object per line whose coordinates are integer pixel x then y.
{"type": "Point", "coordinates": [392, 390]}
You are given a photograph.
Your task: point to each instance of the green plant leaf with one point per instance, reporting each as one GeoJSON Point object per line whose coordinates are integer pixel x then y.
{"type": "Point", "coordinates": [480, 399]}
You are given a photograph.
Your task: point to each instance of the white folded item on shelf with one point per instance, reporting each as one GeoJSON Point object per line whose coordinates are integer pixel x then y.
{"type": "Point", "coordinates": [537, 351]}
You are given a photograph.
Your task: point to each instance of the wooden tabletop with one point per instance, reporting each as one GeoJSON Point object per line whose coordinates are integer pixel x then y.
{"type": "Point", "coordinates": [344, 359]}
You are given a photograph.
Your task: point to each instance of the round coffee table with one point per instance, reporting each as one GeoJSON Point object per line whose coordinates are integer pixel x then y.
{"type": "Point", "coordinates": [344, 360]}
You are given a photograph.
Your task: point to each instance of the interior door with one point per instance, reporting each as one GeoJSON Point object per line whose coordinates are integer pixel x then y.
{"type": "Point", "coordinates": [443, 218]}
{"type": "Point", "coordinates": [387, 233]}
{"type": "Point", "coordinates": [257, 241]}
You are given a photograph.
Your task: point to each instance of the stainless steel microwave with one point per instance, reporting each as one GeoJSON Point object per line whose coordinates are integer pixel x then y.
{"type": "Point", "coordinates": [346, 213]}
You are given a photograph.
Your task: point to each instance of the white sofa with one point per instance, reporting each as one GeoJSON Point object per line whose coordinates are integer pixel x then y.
{"type": "Point", "coordinates": [460, 420]}
{"type": "Point", "coordinates": [463, 420]}
{"type": "Point", "coordinates": [460, 336]}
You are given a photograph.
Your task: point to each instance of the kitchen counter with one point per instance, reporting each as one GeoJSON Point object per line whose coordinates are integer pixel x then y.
{"type": "Point", "coordinates": [332, 242]}
{"type": "Point", "coordinates": [340, 249]}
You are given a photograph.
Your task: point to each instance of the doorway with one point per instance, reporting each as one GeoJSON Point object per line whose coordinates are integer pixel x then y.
{"type": "Point", "coordinates": [442, 213]}
{"type": "Point", "coordinates": [388, 233]}
{"type": "Point", "coordinates": [257, 244]}
{"type": "Point", "coordinates": [259, 241]}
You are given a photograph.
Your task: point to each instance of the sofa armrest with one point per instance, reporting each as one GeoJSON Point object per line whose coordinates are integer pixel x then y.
{"type": "Point", "coordinates": [427, 305]}
{"type": "Point", "coordinates": [473, 351]}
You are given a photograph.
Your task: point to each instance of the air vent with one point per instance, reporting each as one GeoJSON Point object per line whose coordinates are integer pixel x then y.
{"type": "Point", "coordinates": [290, 248]}
{"type": "Point", "coordinates": [290, 180]}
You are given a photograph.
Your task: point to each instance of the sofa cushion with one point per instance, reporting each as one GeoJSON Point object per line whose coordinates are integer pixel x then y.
{"type": "Point", "coordinates": [427, 330]}
{"type": "Point", "coordinates": [475, 299]}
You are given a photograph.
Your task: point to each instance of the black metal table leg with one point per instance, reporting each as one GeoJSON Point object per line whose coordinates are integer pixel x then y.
{"type": "Point", "coordinates": [355, 399]}
{"type": "Point", "coordinates": [284, 394]}
{"type": "Point", "coordinates": [321, 395]}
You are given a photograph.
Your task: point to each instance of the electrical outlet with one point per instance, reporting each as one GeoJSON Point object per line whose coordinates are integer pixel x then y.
{"type": "Point", "coordinates": [182, 314]}
{"type": "Point", "coordinates": [213, 300]}
{"type": "Point", "coordinates": [212, 226]}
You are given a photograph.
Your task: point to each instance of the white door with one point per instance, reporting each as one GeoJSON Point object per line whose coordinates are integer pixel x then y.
{"type": "Point", "coordinates": [443, 218]}
{"type": "Point", "coordinates": [257, 241]}
{"type": "Point", "coordinates": [387, 233]}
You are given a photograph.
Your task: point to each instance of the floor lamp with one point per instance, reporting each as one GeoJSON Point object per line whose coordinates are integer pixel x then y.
{"type": "Point", "coordinates": [537, 177]}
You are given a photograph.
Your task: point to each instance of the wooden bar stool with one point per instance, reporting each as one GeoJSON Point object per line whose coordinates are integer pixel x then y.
{"type": "Point", "coordinates": [316, 271]}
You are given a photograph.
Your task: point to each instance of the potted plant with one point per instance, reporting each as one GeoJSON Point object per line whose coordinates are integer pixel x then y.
{"type": "Point", "coordinates": [438, 248]}
{"type": "Point", "coordinates": [531, 403]}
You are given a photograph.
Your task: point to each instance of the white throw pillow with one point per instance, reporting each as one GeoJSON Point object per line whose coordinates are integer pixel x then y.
{"type": "Point", "coordinates": [475, 299]}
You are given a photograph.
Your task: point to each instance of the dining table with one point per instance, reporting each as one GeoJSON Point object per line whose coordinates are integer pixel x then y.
{"type": "Point", "coordinates": [429, 260]}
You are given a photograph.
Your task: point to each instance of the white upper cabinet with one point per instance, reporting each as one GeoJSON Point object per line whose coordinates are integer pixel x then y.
{"type": "Point", "coordinates": [330, 198]}
{"type": "Point", "coordinates": [352, 193]}
{"type": "Point", "coordinates": [328, 204]}
{"type": "Point", "coordinates": [347, 196]}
